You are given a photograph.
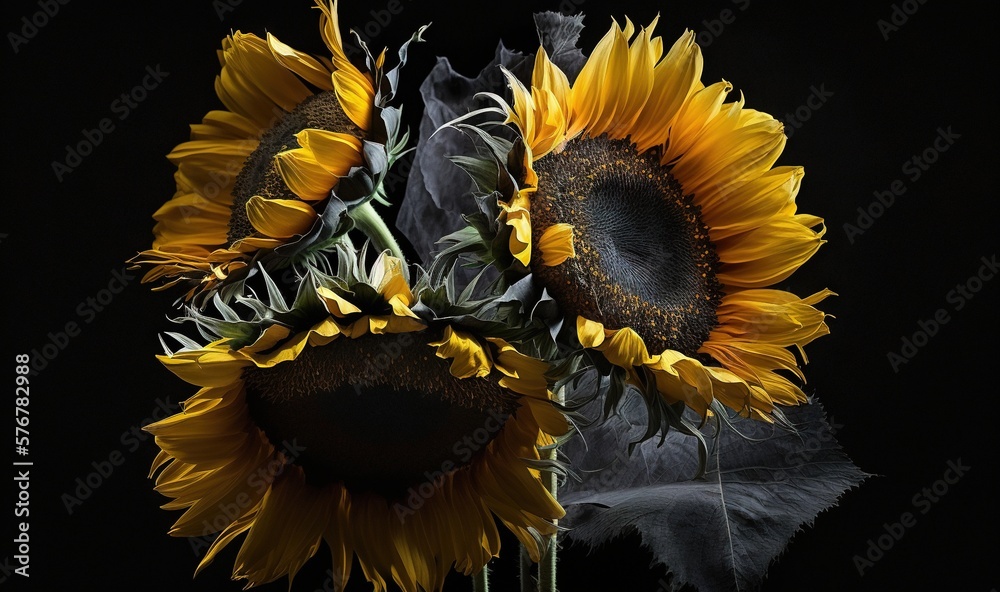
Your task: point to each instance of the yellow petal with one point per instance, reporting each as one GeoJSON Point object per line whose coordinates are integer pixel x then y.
{"type": "Point", "coordinates": [287, 531]}
{"type": "Point", "coordinates": [254, 59]}
{"type": "Point", "coordinates": [597, 87]}
{"type": "Point", "coordinates": [337, 153]}
{"type": "Point", "coordinates": [695, 114]}
{"type": "Point", "coordinates": [226, 125]}
{"type": "Point", "coordinates": [469, 358]}
{"type": "Point", "coordinates": [338, 532]}
{"type": "Point", "coordinates": [523, 374]}
{"type": "Point", "coordinates": [280, 218]}
{"type": "Point", "coordinates": [520, 237]}
{"type": "Point", "coordinates": [388, 278]}
{"type": "Point", "coordinates": [548, 77]}
{"type": "Point", "coordinates": [753, 203]}
{"type": "Point", "coordinates": [590, 333]}
{"type": "Point", "coordinates": [626, 349]}
{"type": "Point", "coordinates": [355, 89]}
{"type": "Point", "coordinates": [205, 367]}
{"type": "Point", "coordinates": [766, 255]}
{"type": "Point", "coordinates": [355, 98]}
{"type": "Point", "coordinates": [770, 316]}
{"type": "Point", "coordinates": [542, 112]}
{"type": "Point", "coordinates": [729, 153]}
{"type": "Point", "coordinates": [675, 78]}
{"type": "Point", "coordinates": [302, 64]}
{"type": "Point", "coordinates": [253, 83]}
{"type": "Point", "coordinates": [306, 177]}
{"type": "Point", "coordinates": [641, 60]}
{"type": "Point", "coordinates": [235, 529]}
{"type": "Point", "coordinates": [337, 305]}
{"type": "Point", "coordinates": [556, 244]}
{"type": "Point", "coordinates": [396, 323]}
{"type": "Point", "coordinates": [253, 243]}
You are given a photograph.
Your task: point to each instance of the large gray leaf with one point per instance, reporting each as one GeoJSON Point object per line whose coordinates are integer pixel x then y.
{"type": "Point", "coordinates": [720, 532]}
{"type": "Point", "coordinates": [438, 192]}
{"type": "Point", "coordinates": [559, 35]}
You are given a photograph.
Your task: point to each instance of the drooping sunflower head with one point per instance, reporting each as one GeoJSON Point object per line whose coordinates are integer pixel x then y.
{"type": "Point", "coordinates": [302, 145]}
{"type": "Point", "coordinates": [650, 209]}
{"type": "Point", "coordinates": [344, 417]}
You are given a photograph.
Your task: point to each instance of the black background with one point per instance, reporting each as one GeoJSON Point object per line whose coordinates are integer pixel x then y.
{"type": "Point", "coordinates": [61, 242]}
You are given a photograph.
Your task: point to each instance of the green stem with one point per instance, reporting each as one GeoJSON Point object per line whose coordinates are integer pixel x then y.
{"type": "Point", "coordinates": [527, 579]}
{"type": "Point", "coordinates": [547, 565]}
{"type": "Point", "coordinates": [369, 222]}
{"type": "Point", "coordinates": [344, 239]}
{"type": "Point", "coordinates": [481, 580]}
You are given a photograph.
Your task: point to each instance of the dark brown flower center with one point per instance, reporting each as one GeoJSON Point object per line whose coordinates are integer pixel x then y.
{"type": "Point", "coordinates": [260, 176]}
{"type": "Point", "coordinates": [378, 413]}
{"type": "Point", "coordinates": [643, 256]}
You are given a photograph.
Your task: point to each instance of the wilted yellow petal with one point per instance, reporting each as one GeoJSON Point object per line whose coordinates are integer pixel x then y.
{"type": "Point", "coordinates": [468, 356]}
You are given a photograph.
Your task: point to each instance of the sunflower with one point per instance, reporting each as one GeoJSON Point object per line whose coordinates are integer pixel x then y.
{"type": "Point", "coordinates": [260, 176]}
{"type": "Point", "coordinates": [650, 209]}
{"type": "Point", "coordinates": [388, 437]}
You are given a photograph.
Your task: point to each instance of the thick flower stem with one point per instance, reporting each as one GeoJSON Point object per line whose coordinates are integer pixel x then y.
{"type": "Point", "coordinates": [527, 578]}
{"type": "Point", "coordinates": [547, 566]}
{"type": "Point", "coordinates": [481, 580]}
{"type": "Point", "coordinates": [369, 222]}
